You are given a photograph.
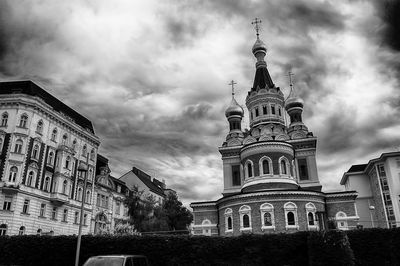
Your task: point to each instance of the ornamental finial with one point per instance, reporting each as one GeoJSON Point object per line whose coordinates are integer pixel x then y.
{"type": "Point", "coordinates": [232, 83]}
{"type": "Point", "coordinates": [256, 23]}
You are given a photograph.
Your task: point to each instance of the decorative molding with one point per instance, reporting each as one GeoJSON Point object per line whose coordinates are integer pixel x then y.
{"type": "Point", "coordinates": [261, 147]}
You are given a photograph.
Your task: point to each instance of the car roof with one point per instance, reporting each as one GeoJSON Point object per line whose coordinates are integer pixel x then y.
{"type": "Point", "coordinates": [122, 256]}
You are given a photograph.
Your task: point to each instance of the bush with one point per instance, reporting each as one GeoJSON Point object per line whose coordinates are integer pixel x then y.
{"type": "Point", "coordinates": [375, 246]}
{"type": "Point", "coordinates": [329, 248]}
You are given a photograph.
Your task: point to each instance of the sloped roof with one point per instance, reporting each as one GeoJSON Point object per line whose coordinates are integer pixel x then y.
{"type": "Point", "coordinates": [357, 168]}
{"type": "Point", "coordinates": [146, 179]}
{"type": "Point", "coordinates": [262, 79]}
{"type": "Point", "coordinates": [30, 88]}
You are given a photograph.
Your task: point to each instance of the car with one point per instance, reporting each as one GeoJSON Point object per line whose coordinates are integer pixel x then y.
{"type": "Point", "coordinates": [117, 260]}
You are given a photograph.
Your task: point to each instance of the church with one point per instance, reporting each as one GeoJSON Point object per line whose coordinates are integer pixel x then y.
{"type": "Point", "coordinates": [270, 176]}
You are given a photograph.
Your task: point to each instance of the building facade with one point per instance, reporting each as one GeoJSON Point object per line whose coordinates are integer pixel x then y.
{"type": "Point", "coordinates": [378, 187]}
{"type": "Point", "coordinates": [270, 175]}
{"type": "Point", "coordinates": [42, 142]}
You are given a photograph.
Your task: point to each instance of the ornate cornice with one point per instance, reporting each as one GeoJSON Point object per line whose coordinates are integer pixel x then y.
{"type": "Point", "coordinates": [259, 147]}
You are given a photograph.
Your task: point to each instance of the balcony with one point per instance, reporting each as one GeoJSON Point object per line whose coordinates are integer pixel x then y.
{"type": "Point", "coordinates": [9, 187]}
{"type": "Point", "coordinates": [58, 198]}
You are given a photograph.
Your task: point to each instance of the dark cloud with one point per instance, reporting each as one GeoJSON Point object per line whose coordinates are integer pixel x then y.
{"type": "Point", "coordinates": [389, 12]}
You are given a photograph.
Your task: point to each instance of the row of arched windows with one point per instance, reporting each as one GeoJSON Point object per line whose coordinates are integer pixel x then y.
{"type": "Point", "coordinates": [266, 168]}
{"type": "Point", "coordinates": [268, 217]}
{"type": "Point", "coordinates": [268, 109]}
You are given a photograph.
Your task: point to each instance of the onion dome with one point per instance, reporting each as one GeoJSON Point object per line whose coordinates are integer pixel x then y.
{"type": "Point", "coordinates": [259, 46]}
{"type": "Point", "coordinates": [294, 101]}
{"type": "Point", "coordinates": [234, 109]}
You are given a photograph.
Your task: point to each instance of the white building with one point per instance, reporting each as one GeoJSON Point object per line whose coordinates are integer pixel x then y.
{"type": "Point", "coordinates": [378, 187]}
{"type": "Point", "coordinates": [42, 142]}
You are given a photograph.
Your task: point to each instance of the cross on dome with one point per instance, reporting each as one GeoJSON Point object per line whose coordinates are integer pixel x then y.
{"type": "Point", "coordinates": [232, 83]}
{"type": "Point", "coordinates": [256, 22]}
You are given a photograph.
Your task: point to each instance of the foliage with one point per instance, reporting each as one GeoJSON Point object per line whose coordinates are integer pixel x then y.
{"type": "Point", "coordinates": [147, 216]}
{"type": "Point", "coordinates": [141, 209]}
{"type": "Point", "coordinates": [375, 246]}
{"type": "Point", "coordinates": [176, 216]}
{"type": "Point", "coordinates": [330, 248]}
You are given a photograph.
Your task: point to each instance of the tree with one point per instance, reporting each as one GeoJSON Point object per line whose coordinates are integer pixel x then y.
{"type": "Point", "coordinates": [175, 214]}
{"type": "Point", "coordinates": [140, 209]}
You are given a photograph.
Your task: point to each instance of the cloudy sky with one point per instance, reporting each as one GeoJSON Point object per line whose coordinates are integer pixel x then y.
{"type": "Point", "coordinates": [153, 75]}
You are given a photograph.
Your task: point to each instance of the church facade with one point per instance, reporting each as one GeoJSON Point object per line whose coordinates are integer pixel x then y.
{"type": "Point", "coordinates": [270, 175]}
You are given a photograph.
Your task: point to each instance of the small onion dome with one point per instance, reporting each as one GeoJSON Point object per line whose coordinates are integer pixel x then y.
{"type": "Point", "coordinates": [294, 102]}
{"type": "Point", "coordinates": [234, 109]}
{"type": "Point", "coordinates": [259, 46]}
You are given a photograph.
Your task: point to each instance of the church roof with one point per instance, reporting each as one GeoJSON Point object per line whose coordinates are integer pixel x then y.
{"type": "Point", "coordinates": [30, 88]}
{"type": "Point", "coordinates": [262, 79]}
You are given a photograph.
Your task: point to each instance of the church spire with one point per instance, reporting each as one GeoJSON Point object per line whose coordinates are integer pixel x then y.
{"type": "Point", "coordinates": [262, 78]}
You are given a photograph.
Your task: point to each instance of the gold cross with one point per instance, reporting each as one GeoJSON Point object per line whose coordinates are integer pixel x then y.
{"type": "Point", "coordinates": [232, 83]}
{"type": "Point", "coordinates": [255, 22]}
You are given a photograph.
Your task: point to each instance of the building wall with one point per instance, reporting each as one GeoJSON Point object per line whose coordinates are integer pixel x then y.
{"type": "Point", "coordinates": [36, 110]}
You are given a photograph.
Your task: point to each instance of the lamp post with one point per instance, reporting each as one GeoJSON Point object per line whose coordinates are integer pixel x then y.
{"type": "Point", "coordinates": [83, 169]}
{"type": "Point", "coordinates": [371, 208]}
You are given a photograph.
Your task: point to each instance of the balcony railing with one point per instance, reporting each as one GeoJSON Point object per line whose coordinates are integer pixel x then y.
{"type": "Point", "coordinates": [58, 198]}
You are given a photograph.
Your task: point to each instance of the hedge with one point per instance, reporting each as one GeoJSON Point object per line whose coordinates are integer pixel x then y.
{"type": "Point", "coordinates": [375, 246]}
{"type": "Point", "coordinates": [302, 248]}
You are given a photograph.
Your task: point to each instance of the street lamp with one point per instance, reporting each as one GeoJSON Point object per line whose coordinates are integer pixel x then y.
{"type": "Point", "coordinates": [371, 208]}
{"type": "Point", "coordinates": [82, 168]}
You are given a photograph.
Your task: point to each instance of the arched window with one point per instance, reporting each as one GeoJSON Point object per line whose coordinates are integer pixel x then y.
{"type": "Point", "coordinates": [65, 139]}
{"type": "Point", "coordinates": [76, 218]}
{"type": "Point", "coordinates": [228, 220]}
{"type": "Point", "coordinates": [290, 218]}
{"type": "Point", "coordinates": [21, 231]}
{"type": "Point", "coordinates": [310, 210]}
{"type": "Point", "coordinates": [67, 162]}
{"type": "Point", "coordinates": [206, 224]}
{"type": "Point", "coordinates": [23, 121]}
{"type": "Point", "coordinates": [265, 166]}
{"type": "Point", "coordinates": [64, 187]}
{"type": "Point", "coordinates": [291, 215]}
{"type": "Point", "coordinates": [279, 111]}
{"type": "Point", "coordinates": [267, 216]}
{"type": "Point", "coordinates": [92, 154]}
{"type": "Point", "coordinates": [39, 127]}
{"type": "Point", "coordinates": [4, 119]}
{"type": "Point", "coordinates": [88, 196]}
{"type": "Point", "coordinates": [249, 171]}
{"type": "Point", "coordinates": [3, 229]}
{"type": "Point", "coordinates": [341, 219]}
{"type": "Point", "coordinates": [50, 159]}
{"type": "Point", "coordinates": [79, 196]}
{"type": "Point", "coordinates": [46, 186]}
{"type": "Point", "coordinates": [84, 150]}
{"type": "Point", "coordinates": [13, 174]}
{"type": "Point", "coordinates": [18, 146]}
{"type": "Point", "coordinates": [35, 152]}
{"type": "Point", "coordinates": [54, 134]}
{"type": "Point", "coordinates": [284, 165]}
{"type": "Point", "coordinates": [29, 180]}
{"type": "Point", "coordinates": [245, 218]}
{"type": "Point", "coordinates": [246, 221]}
